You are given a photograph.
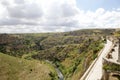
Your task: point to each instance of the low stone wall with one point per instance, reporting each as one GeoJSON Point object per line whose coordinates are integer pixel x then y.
{"type": "Point", "coordinates": [110, 67]}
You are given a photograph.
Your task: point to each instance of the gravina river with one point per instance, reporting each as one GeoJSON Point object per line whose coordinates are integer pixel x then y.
{"type": "Point", "coordinates": [60, 75]}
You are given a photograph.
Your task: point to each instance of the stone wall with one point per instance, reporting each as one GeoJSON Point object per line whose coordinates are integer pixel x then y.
{"type": "Point", "coordinates": [109, 68]}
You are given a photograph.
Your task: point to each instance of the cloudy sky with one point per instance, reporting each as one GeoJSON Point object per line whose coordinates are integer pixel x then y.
{"type": "Point", "coordinates": [25, 16]}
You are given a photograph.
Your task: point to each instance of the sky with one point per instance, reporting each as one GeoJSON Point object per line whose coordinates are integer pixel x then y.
{"type": "Point", "coordinates": [36, 16]}
{"type": "Point", "coordinates": [95, 4]}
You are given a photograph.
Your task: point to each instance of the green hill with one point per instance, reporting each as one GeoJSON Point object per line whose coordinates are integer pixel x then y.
{"type": "Point", "coordinates": [12, 68]}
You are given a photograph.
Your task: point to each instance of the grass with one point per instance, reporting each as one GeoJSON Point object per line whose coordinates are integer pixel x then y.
{"type": "Point", "coordinates": [111, 67]}
{"type": "Point", "coordinates": [12, 68]}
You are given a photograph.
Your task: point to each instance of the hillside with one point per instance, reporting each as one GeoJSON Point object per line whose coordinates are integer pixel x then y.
{"type": "Point", "coordinates": [70, 52]}
{"type": "Point", "coordinates": [12, 68]}
{"type": "Point", "coordinates": [19, 44]}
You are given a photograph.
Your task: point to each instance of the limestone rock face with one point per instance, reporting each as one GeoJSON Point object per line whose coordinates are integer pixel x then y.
{"type": "Point", "coordinates": [119, 50]}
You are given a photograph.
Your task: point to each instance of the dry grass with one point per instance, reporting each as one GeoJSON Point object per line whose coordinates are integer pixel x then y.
{"type": "Point", "coordinates": [12, 68]}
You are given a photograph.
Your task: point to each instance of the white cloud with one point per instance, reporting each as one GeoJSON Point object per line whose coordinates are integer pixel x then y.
{"type": "Point", "coordinates": [54, 15]}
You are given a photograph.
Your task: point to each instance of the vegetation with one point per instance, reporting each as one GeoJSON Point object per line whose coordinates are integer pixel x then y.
{"type": "Point", "coordinates": [12, 68]}
{"type": "Point", "coordinates": [111, 67]}
{"type": "Point", "coordinates": [71, 59]}
{"type": "Point", "coordinates": [71, 52]}
{"type": "Point", "coordinates": [117, 33]}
